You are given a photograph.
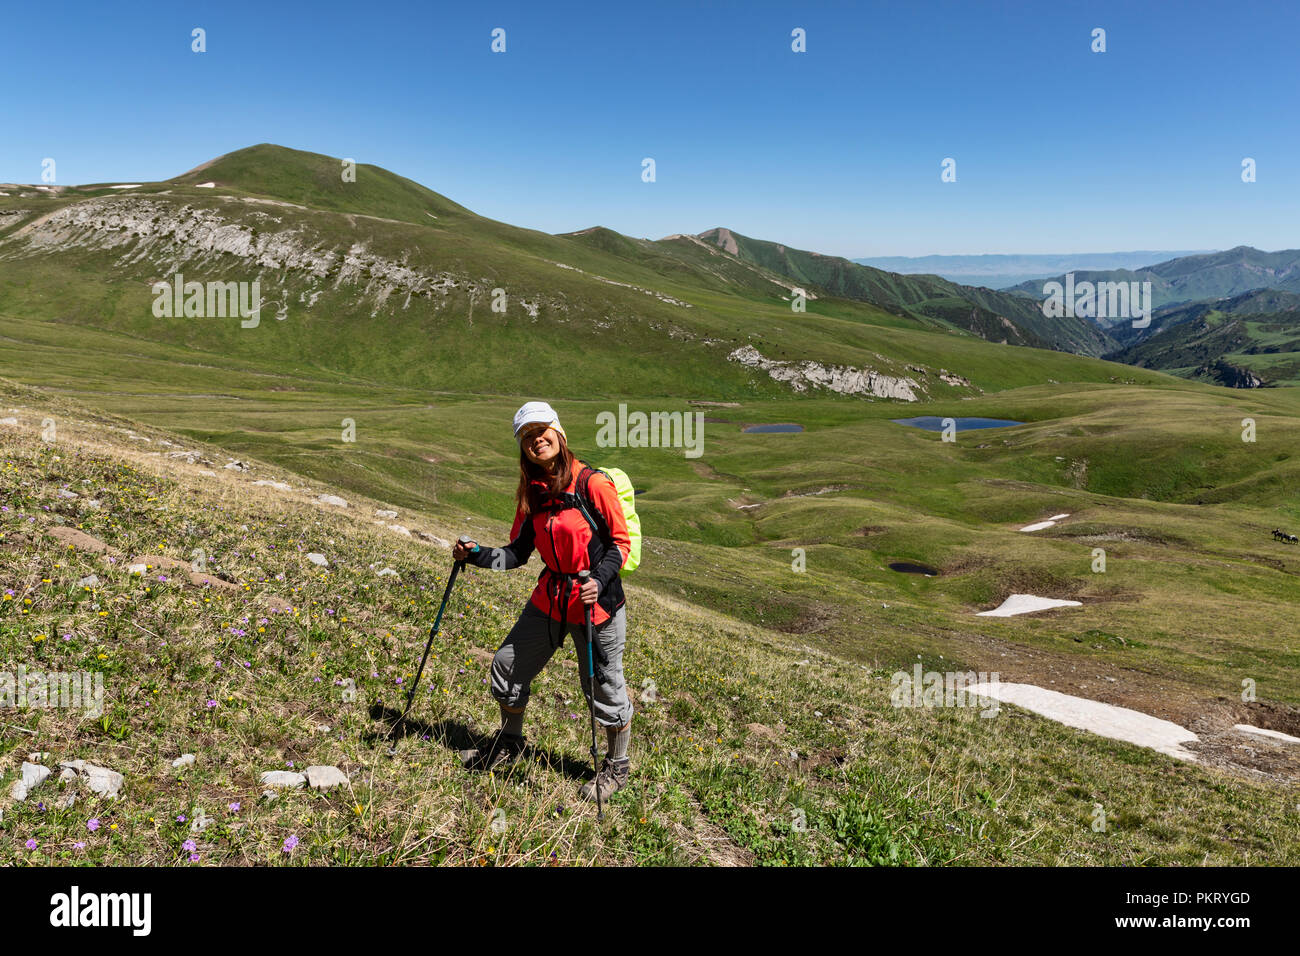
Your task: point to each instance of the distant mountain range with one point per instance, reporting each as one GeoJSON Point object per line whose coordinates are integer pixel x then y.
{"type": "Point", "coordinates": [1213, 275]}
{"type": "Point", "coordinates": [996, 316]}
{"type": "Point", "coordinates": [1245, 341]}
{"type": "Point", "coordinates": [1000, 271]}
{"type": "Point", "coordinates": [344, 257]}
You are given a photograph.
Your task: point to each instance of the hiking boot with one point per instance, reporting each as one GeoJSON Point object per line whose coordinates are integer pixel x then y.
{"type": "Point", "coordinates": [499, 753]}
{"type": "Point", "coordinates": [612, 777]}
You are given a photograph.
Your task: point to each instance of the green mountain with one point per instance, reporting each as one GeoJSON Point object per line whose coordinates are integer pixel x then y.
{"type": "Point", "coordinates": [462, 298]}
{"type": "Point", "coordinates": [1247, 341]}
{"type": "Point", "coordinates": [1186, 279]}
{"type": "Point", "coordinates": [992, 315]}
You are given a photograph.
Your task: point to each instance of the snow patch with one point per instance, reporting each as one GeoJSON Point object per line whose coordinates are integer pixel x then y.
{"type": "Point", "coordinates": [1265, 732]}
{"type": "Point", "coordinates": [1106, 720]}
{"type": "Point", "coordinates": [1026, 604]}
{"type": "Point", "coordinates": [1047, 523]}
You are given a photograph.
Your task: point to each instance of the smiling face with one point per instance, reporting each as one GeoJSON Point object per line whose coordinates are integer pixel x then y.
{"type": "Point", "coordinates": [541, 444]}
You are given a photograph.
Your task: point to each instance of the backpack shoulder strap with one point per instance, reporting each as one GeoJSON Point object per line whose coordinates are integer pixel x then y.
{"type": "Point", "coordinates": [584, 504]}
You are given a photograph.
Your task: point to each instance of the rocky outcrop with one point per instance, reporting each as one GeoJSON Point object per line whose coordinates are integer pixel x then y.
{"type": "Point", "coordinates": [838, 378]}
{"type": "Point", "coordinates": [176, 236]}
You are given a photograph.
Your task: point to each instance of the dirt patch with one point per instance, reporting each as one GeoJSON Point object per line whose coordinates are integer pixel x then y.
{"type": "Point", "coordinates": [481, 655]}
{"type": "Point", "coordinates": [14, 540]}
{"type": "Point", "coordinates": [1225, 747]}
{"type": "Point", "coordinates": [1037, 581]}
{"type": "Point", "coordinates": [813, 494]}
{"type": "Point", "coordinates": [967, 562]}
{"type": "Point", "coordinates": [810, 620]}
{"type": "Point", "coordinates": [78, 539]}
{"type": "Point", "coordinates": [161, 562]}
{"type": "Point", "coordinates": [1092, 532]}
{"type": "Point", "coordinates": [705, 471]}
{"type": "Point", "coordinates": [275, 602]}
{"type": "Point", "coordinates": [763, 731]}
{"type": "Point", "coordinates": [868, 530]}
{"type": "Point", "coordinates": [207, 580]}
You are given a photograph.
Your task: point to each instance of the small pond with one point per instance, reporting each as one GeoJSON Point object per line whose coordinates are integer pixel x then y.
{"type": "Point", "coordinates": [933, 423]}
{"type": "Point", "coordinates": [779, 427]}
{"type": "Point", "coordinates": [911, 567]}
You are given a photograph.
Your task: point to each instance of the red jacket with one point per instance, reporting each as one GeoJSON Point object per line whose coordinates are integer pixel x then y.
{"type": "Point", "coordinates": [567, 544]}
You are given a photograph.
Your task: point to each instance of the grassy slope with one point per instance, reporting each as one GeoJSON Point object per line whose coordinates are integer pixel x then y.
{"type": "Point", "coordinates": [1152, 468]}
{"type": "Point", "coordinates": [716, 780]}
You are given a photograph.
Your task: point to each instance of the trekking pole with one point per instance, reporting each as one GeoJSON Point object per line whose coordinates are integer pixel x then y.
{"type": "Point", "coordinates": [583, 576]}
{"type": "Point", "coordinates": [433, 632]}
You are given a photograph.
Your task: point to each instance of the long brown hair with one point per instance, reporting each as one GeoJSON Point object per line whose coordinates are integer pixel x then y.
{"type": "Point", "coordinates": [528, 497]}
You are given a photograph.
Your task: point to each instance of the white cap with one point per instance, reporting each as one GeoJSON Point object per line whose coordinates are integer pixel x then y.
{"type": "Point", "coordinates": [532, 413]}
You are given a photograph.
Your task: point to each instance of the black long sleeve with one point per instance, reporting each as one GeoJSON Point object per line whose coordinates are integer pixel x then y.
{"type": "Point", "coordinates": [512, 555]}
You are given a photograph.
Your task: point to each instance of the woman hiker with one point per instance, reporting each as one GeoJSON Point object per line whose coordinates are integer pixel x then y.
{"type": "Point", "coordinates": [549, 516]}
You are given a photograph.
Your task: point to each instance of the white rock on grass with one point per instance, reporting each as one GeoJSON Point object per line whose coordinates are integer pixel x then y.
{"type": "Point", "coordinates": [319, 559]}
{"type": "Point", "coordinates": [277, 485]}
{"type": "Point", "coordinates": [382, 513]}
{"type": "Point", "coordinates": [332, 500]}
{"type": "Point", "coordinates": [324, 778]}
{"type": "Point", "coordinates": [137, 568]}
{"type": "Point", "coordinates": [33, 775]}
{"type": "Point", "coordinates": [236, 466]}
{"type": "Point", "coordinates": [184, 760]}
{"type": "Point", "coordinates": [282, 778]}
{"type": "Point", "coordinates": [8, 421]}
{"type": "Point", "coordinates": [388, 573]}
{"type": "Point", "coordinates": [89, 581]}
{"type": "Point", "coordinates": [65, 493]}
{"type": "Point", "coordinates": [99, 780]}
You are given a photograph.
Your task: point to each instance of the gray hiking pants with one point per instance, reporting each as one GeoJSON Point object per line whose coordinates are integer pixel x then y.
{"type": "Point", "coordinates": [527, 648]}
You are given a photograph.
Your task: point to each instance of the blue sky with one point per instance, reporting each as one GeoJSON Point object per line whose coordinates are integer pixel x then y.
{"type": "Point", "coordinates": [838, 149]}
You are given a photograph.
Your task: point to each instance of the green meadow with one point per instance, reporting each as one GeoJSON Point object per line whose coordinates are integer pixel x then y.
{"type": "Point", "coordinates": [765, 597]}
